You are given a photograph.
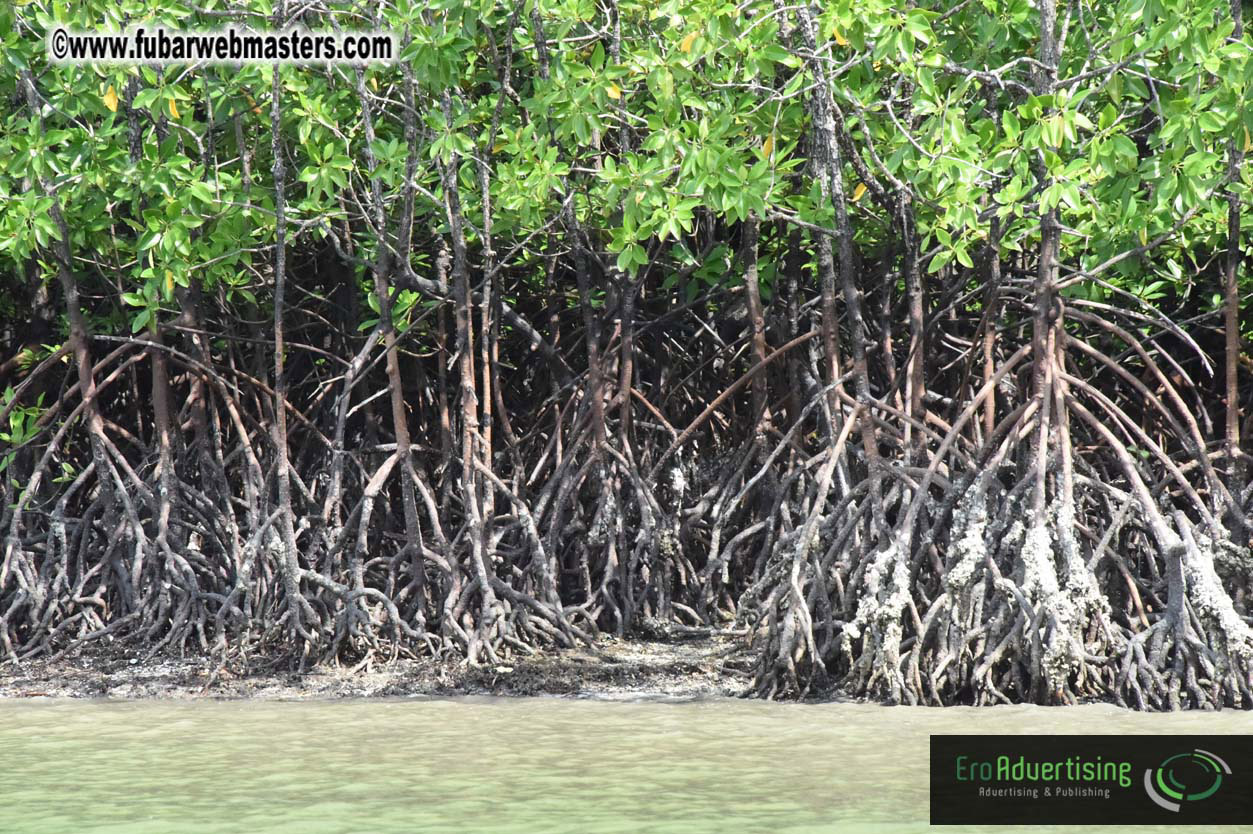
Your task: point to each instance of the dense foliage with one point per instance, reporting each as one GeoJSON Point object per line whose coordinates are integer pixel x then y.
{"type": "Point", "coordinates": [910, 343]}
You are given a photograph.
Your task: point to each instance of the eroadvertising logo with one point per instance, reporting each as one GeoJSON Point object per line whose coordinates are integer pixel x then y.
{"type": "Point", "coordinates": [1076, 780]}
{"type": "Point", "coordinates": [1191, 787]}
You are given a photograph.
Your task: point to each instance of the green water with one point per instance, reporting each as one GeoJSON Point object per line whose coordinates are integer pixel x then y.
{"type": "Point", "coordinates": [499, 765]}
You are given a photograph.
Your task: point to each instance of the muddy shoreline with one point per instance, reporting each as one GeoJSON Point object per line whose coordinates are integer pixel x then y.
{"type": "Point", "coordinates": [612, 668]}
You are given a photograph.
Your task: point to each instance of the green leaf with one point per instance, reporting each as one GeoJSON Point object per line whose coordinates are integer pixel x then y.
{"type": "Point", "coordinates": [141, 320]}
{"type": "Point", "coordinates": [150, 239]}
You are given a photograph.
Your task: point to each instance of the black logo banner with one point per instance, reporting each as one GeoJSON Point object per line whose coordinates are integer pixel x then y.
{"type": "Point", "coordinates": [1087, 780]}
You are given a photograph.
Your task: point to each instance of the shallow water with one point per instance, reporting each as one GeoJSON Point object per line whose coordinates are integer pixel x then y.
{"type": "Point", "coordinates": [499, 765]}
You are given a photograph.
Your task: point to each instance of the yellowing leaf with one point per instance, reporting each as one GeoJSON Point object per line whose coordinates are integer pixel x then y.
{"type": "Point", "coordinates": [173, 109]}
{"type": "Point", "coordinates": [839, 39]}
{"type": "Point", "coordinates": [767, 147]}
{"type": "Point", "coordinates": [1144, 237]}
{"type": "Point", "coordinates": [1248, 143]}
{"type": "Point", "coordinates": [169, 282]}
{"type": "Point", "coordinates": [859, 191]}
{"type": "Point", "coordinates": [685, 45]}
{"type": "Point", "coordinates": [374, 83]}
{"type": "Point", "coordinates": [498, 147]}
{"type": "Point", "coordinates": [613, 91]}
{"type": "Point", "coordinates": [110, 99]}
{"type": "Point", "coordinates": [255, 108]}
